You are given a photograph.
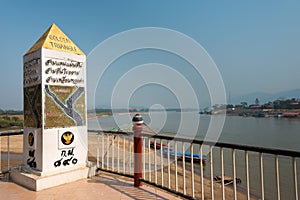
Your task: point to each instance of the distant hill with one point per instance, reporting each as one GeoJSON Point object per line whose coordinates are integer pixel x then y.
{"type": "Point", "coordinates": [266, 97]}
{"type": "Point", "coordinates": [289, 94]}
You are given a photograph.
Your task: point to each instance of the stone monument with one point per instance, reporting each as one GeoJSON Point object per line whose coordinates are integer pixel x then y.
{"type": "Point", "coordinates": [55, 144]}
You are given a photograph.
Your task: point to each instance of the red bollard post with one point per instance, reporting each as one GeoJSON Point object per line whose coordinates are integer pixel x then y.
{"type": "Point", "coordinates": [137, 128]}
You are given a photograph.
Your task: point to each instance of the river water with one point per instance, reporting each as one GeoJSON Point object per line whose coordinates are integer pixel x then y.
{"type": "Point", "coordinates": [277, 133]}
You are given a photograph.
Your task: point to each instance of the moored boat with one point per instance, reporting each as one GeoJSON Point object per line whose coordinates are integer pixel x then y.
{"type": "Point", "coordinates": [187, 156]}
{"type": "Point", "coordinates": [227, 180]}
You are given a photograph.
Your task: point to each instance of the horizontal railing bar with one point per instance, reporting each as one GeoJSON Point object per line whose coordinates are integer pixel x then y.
{"type": "Point", "coordinates": [227, 145]}
{"type": "Point", "coordinates": [216, 144]}
{"type": "Point", "coordinates": [12, 132]}
{"type": "Point", "coordinates": [259, 149]}
{"type": "Point", "coordinates": [189, 140]}
{"type": "Point", "coordinates": [112, 132]}
{"type": "Point", "coordinates": [167, 189]}
{"type": "Point", "coordinates": [115, 172]}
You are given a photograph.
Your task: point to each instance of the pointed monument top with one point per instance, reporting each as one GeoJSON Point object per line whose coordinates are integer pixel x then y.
{"type": "Point", "coordinates": [55, 39]}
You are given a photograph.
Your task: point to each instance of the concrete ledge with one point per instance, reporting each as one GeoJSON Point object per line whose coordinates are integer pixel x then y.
{"type": "Point", "coordinates": [37, 183]}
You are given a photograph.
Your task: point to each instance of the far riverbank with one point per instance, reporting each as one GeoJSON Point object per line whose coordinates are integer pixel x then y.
{"type": "Point", "coordinates": [278, 113]}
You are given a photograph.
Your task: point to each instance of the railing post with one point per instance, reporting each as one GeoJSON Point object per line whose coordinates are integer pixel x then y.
{"type": "Point", "coordinates": [183, 168]}
{"type": "Point", "coordinates": [192, 169]}
{"type": "Point", "coordinates": [97, 153]}
{"type": "Point", "coordinates": [155, 162]}
{"type": "Point", "coordinates": [211, 172]}
{"type": "Point", "coordinates": [118, 147]}
{"type": "Point", "coordinates": [8, 153]}
{"type": "Point", "coordinates": [107, 151]}
{"type": "Point", "coordinates": [0, 157]}
{"type": "Point", "coordinates": [201, 172]}
{"type": "Point", "coordinates": [149, 158]}
{"type": "Point", "coordinates": [137, 128]}
{"type": "Point", "coordinates": [277, 177]}
{"type": "Point", "coordinates": [176, 167]}
{"type": "Point", "coordinates": [161, 162]}
{"type": "Point", "coordinates": [169, 165]}
{"type": "Point", "coordinates": [144, 158]}
{"type": "Point", "coordinates": [247, 174]}
{"type": "Point", "coordinates": [234, 174]}
{"type": "Point", "coordinates": [102, 153]}
{"type": "Point", "coordinates": [295, 178]}
{"type": "Point", "coordinates": [261, 161]}
{"type": "Point", "coordinates": [124, 156]}
{"type": "Point", "coordinates": [222, 172]}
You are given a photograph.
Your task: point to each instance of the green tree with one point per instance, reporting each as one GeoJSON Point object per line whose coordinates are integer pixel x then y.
{"type": "Point", "coordinates": [257, 101]}
{"type": "Point", "coordinates": [6, 118]}
{"type": "Point", "coordinates": [15, 119]}
{"type": "Point", "coordinates": [215, 107]}
{"type": "Point", "coordinates": [244, 104]}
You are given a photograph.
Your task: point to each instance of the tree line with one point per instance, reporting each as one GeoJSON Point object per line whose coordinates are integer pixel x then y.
{"type": "Point", "coordinates": [11, 112]}
{"type": "Point", "coordinates": [292, 103]}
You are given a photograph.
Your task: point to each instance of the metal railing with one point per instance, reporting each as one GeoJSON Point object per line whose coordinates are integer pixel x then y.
{"type": "Point", "coordinates": [171, 163]}
{"type": "Point", "coordinates": [178, 165]}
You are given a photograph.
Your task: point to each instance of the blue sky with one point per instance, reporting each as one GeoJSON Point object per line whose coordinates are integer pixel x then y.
{"type": "Point", "coordinates": [255, 44]}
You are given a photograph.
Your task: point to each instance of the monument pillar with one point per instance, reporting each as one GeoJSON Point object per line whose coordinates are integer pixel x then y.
{"type": "Point", "coordinates": [55, 142]}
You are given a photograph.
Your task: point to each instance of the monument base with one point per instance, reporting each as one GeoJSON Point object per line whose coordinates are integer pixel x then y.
{"type": "Point", "coordinates": [30, 180]}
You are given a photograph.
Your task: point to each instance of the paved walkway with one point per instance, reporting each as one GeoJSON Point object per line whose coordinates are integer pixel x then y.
{"type": "Point", "coordinates": [103, 186]}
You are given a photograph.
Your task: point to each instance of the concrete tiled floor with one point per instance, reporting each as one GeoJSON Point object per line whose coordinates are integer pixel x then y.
{"type": "Point", "coordinates": [103, 186]}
